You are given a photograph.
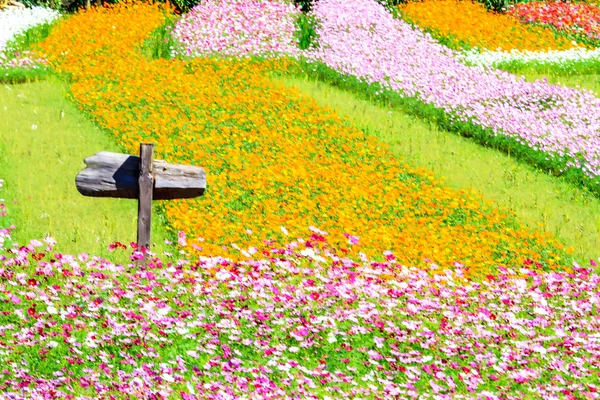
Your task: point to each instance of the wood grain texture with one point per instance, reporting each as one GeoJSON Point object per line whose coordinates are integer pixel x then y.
{"type": "Point", "coordinates": [146, 182]}
{"type": "Point", "coordinates": [116, 175]}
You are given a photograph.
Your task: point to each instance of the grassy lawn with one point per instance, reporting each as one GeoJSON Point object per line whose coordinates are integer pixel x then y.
{"type": "Point", "coordinates": [43, 141]}
{"type": "Point", "coordinates": [538, 199]}
{"type": "Point", "coordinates": [589, 82]}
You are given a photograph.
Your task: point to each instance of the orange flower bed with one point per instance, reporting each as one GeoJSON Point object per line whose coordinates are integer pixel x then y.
{"type": "Point", "coordinates": [469, 23]}
{"type": "Point", "coordinates": [273, 157]}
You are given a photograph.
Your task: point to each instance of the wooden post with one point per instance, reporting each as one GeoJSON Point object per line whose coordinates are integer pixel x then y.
{"type": "Point", "coordinates": [126, 176]}
{"type": "Point", "coordinates": [146, 184]}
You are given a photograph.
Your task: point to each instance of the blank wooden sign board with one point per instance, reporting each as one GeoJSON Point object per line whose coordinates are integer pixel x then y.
{"type": "Point", "coordinates": [143, 178]}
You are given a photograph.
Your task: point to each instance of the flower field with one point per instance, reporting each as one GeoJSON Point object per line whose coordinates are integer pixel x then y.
{"type": "Point", "coordinates": [301, 323]}
{"type": "Point", "coordinates": [365, 42]}
{"type": "Point", "coordinates": [579, 19]}
{"type": "Point", "coordinates": [245, 138]}
{"type": "Point", "coordinates": [467, 23]}
{"type": "Point", "coordinates": [246, 28]}
{"type": "Point", "coordinates": [318, 264]}
{"type": "Point", "coordinates": [507, 40]}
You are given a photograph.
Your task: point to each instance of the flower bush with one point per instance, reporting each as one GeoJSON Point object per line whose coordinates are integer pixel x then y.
{"type": "Point", "coordinates": [238, 28]}
{"type": "Point", "coordinates": [558, 126]}
{"type": "Point", "coordinates": [579, 19]}
{"type": "Point", "coordinates": [468, 24]}
{"type": "Point", "coordinates": [276, 161]}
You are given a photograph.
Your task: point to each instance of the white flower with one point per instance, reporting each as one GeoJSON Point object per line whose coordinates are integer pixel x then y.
{"type": "Point", "coordinates": [540, 311]}
{"type": "Point", "coordinates": [16, 21]}
{"type": "Point", "coordinates": [331, 338]}
{"type": "Point", "coordinates": [163, 311]}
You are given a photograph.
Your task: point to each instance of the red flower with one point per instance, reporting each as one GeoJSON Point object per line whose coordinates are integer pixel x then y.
{"type": "Point", "coordinates": [31, 312]}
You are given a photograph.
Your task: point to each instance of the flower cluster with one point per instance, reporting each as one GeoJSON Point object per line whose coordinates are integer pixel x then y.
{"type": "Point", "coordinates": [238, 28]}
{"type": "Point", "coordinates": [580, 19]}
{"type": "Point", "coordinates": [551, 58]}
{"type": "Point", "coordinates": [469, 24]}
{"type": "Point", "coordinates": [361, 39]}
{"type": "Point", "coordinates": [299, 323]}
{"type": "Point", "coordinates": [25, 60]}
{"type": "Point", "coordinates": [276, 161]}
{"type": "Point", "coordinates": [17, 20]}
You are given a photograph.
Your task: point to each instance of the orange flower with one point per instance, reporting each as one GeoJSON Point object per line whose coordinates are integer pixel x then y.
{"type": "Point", "coordinates": [468, 23]}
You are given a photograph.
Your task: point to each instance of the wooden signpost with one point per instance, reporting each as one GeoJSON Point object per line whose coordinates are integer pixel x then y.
{"type": "Point", "coordinates": [143, 178]}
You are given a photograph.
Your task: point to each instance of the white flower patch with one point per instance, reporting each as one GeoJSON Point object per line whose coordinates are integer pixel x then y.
{"type": "Point", "coordinates": [495, 58]}
{"type": "Point", "coordinates": [15, 21]}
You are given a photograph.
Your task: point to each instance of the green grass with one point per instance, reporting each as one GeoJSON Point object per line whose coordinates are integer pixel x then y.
{"type": "Point", "coordinates": [589, 82]}
{"type": "Point", "coordinates": [43, 141]}
{"type": "Point", "coordinates": [538, 199]}
{"type": "Point", "coordinates": [22, 75]}
{"type": "Point", "coordinates": [161, 43]}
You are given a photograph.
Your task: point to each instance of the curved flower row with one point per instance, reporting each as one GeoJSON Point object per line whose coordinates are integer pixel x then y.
{"type": "Point", "coordinates": [576, 18]}
{"type": "Point", "coordinates": [552, 57]}
{"type": "Point", "coordinates": [301, 323]}
{"type": "Point", "coordinates": [238, 28]}
{"type": "Point", "coordinates": [468, 23]}
{"type": "Point", "coordinates": [361, 39]}
{"type": "Point", "coordinates": [276, 161]}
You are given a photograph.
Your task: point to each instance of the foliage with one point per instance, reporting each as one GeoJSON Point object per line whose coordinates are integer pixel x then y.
{"type": "Point", "coordinates": [306, 32]}
{"type": "Point", "coordinates": [161, 43]}
{"type": "Point", "coordinates": [246, 130]}
{"type": "Point", "coordinates": [498, 6]}
{"type": "Point", "coordinates": [50, 4]}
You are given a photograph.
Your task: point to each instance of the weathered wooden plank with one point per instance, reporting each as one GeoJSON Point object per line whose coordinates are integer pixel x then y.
{"type": "Point", "coordinates": [116, 175]}
{"type": "Point", "coordinates": [146, 182]}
